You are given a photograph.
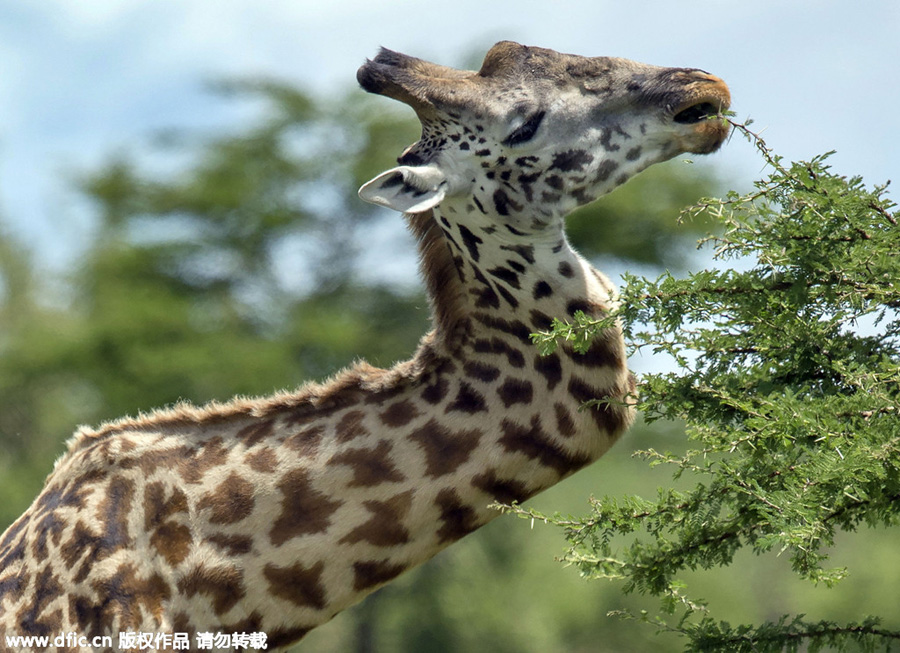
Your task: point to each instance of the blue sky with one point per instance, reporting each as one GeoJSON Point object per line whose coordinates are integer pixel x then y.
{"type": "Point", "coordinates": [83, 79]}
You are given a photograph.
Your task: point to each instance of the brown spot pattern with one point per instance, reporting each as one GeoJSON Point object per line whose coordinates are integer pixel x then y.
{"type": "Point", "coordinates": [502, 490]}
{"type": "Point", "coordinates": [264, 460]}
{"type": "Point", "coordinates": [515, 328]}
{"type": "Point", "coordinates": [525, 251]}
{"type": "Point", "coordinates": [350, 426]}
{"type": "Point", "coordinates": [371, 466]}
{"type": "Point", "coordinates": [306, 442]}
{"type": "Point", "coordinates": [385, 526]}
{"type": "Point", "coordinates": [224, 586]}
{"type": "Point", "coordinates": [485, 295]}
{"type": "Point", "coordinates": [304, 510]}
{"type": "Point", "coordinates": [550, 367]}
{"type": "Point", "coordinates": [168, 535]}
{"type": "Point", "coordinates": [181, 623]}
{"type": "Point", "coordinates": [158, 507]}
{"type": "Point", "coordinates": [435, 392]}
{"type": "Point", "coordinates": [233, 545]}
{"type": "Point", "coordinates": [172, 542]}
{"type": "Point", "coordinates": [468, 400]}
{"type": "Point", "coordinates": [231, 501]}
{"type": "Point", "coordinates": [12, 582]}
{"type": "Point", "coordinates": [565, 423]}
{"type": "Point", "coordinates": [176, 458]}
{"type": "Point", "coordinates": [249, 624]}
{"type": "Point", "coordinates": [82, 545]}
{"type": "Point", "coordinates": [368, 574]}
{"type": "Point", "coordinates": [600, 354]}
{"type": "Point", "coordinates": [298, 584]}
{"type": "Point", "coordinates": [32, 618]}
{"type": "Point", "coordinates": [540, 320]}
{"type": "Point", "coordinates": [457, 518]}
{"type": "Point", "coordinates": [608, 417]}
{"type": "Point", "coordinates": [51, 505]}
{"type": "Point", "coordinates": [12, 542]}
{"type": "Point", "coordinates": [571, 160]}
{"type": "Point", "coordinates": [541, 289]}
{"type": "Point", "coordinates": [112, 515]}
{"type": "Point", "coordinates": [481, 371]}
{"type": "Point", "coordinates": [497, 346]}
{"type": "Point", "coordinates": [127, 598]}
{"type": "Point", "coordinates": [212, 453]}
{"type": "Point", "coordinates": [515, 391]}
{"type": "Point", "coordinates": [399, 413]}
{"type": "Point", "coordinates": [444, 449]}
{"type": "Point", "coordinates": [86, 613]}
{"type": "Point", "coordinates": [535, 443]}
{"type": "Point", "coordinates": [255, 432]}
{"type": "Point", "coordinates": [576, 305]}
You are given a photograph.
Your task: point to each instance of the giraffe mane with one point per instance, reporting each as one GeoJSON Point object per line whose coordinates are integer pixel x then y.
{"type": "Point", "coordinates": [440, 273]}
{"type": "Point", "coordinates": [307, 402]}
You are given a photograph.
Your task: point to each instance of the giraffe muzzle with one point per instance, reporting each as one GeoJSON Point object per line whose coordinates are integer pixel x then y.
{"type": "Point", "coordinates": [701, 112]}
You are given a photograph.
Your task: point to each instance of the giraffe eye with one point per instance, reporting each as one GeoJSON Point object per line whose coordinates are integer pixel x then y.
{"type": "Point", "coordinates": [526, 131]}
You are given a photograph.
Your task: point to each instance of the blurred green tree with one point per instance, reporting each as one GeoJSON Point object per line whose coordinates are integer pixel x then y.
{"type": "Point", "coordinates": [242, 270]}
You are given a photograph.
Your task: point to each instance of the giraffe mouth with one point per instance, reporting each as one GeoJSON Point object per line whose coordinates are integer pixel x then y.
{"type": "Point", "coordinates": [696, 113]}
{"type": "Point", "coordinates": [704, 129]}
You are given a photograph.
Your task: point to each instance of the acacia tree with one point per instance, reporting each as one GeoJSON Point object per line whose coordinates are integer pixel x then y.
{"type": "Point", "coordinates": [787, 379]}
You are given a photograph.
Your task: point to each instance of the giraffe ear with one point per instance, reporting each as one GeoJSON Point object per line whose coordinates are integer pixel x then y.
{"type": "Point", "coordinates": [408, 189]}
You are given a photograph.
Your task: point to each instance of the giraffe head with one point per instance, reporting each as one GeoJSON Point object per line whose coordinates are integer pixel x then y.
{"type": "Point", "coordinates": [535, 133]}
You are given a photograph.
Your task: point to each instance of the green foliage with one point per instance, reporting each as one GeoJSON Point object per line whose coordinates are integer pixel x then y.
{"type": "Point", "coordinates": [788, 381]}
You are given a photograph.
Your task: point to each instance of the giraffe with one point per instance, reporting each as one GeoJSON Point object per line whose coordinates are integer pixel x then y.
{"type": "Point", "coordinates": [273, 514]}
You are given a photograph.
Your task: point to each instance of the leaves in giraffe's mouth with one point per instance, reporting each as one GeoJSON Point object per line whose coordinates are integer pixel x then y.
{"type": "Point", "coordinates": [696, 113]}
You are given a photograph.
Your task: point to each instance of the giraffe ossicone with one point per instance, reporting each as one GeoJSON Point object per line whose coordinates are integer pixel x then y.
{"type": "Point", "coordinates": [272, 515]}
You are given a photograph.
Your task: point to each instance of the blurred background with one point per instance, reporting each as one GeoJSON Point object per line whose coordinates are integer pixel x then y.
{"type": "Point", "coordinates": [179, 220]}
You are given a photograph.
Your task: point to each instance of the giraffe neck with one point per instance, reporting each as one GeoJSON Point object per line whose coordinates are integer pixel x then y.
{"type": "Point", "coordinates": [510, 281]}
{"type": "Point", "coordinates": [384, 479]}
{"type": "Point", "coordinates": [388, 479]}
{"type": "Point", "coordinates": [478, 268]}
{"type": "Point", "coordinates": [514, 271]}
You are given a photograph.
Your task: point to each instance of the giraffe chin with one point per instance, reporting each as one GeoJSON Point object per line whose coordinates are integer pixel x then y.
{"type": "Point", "coordinates": [706, 137]}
